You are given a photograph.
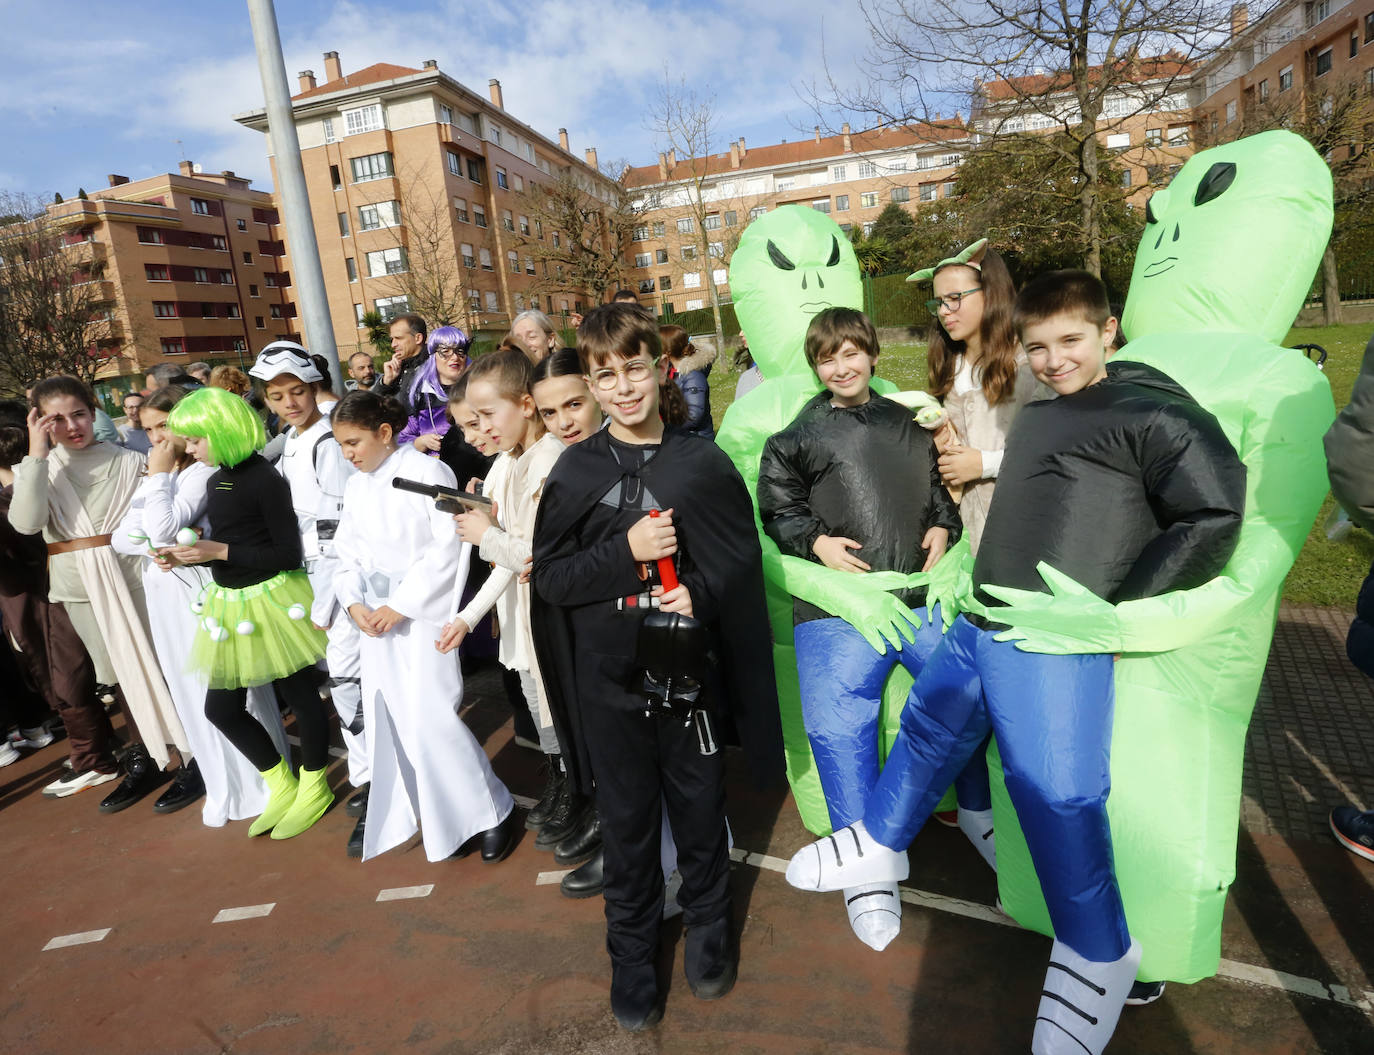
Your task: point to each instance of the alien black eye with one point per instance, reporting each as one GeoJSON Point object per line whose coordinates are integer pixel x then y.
{"type": "Point", "coordinates": [1214, 183]}
{"type": "Point", "coordinates": [834, 252]}
{"type": "Point", "coordinates": [779, 258]}
{"type": "Point", "coordinates": [1150, 216]}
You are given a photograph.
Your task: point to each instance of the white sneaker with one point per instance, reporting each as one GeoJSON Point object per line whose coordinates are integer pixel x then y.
{"type": "Point", "coordinates": [875, 913]}
{"type": "Point", "coordinates": [33, 739]}
{"type": "Point", "coordinates": [71, 783]}
{"type": "Point", "coordinates": [8, 754]}
{"type": "Point", "coordinates": [1081, 1001]}
{"type": "Point", "coordinates": [977, 825]}
{"type": "Point", "coordinates": [849, 858]}
{"type": "Point", "coordinates": [670, 906]}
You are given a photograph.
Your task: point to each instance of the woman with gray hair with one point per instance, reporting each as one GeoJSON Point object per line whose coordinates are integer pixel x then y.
{"type": "Point", "coordinates": [535, 333]}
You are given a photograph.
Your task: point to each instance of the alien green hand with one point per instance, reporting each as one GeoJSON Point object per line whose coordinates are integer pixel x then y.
{"type": "Point", "coordinates": [948, 582]}
{"type": "Point", "coordinates": [1069, 620]}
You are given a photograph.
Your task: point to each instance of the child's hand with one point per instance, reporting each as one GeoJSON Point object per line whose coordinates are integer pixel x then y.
{"type": "Point", "coordinates": [834, 553]}
{"type": "Point", "coordinates": [961, 465]}
{"type": "Point", "coordinates": [426, 443]}
{"type": "Point", "coordinates": [945, 437]}
{"type": "Point", "coordinates": [40, 433]}
{"type": "Point", "coordinates": [675, 600]}
{"type": "Point", "coordinates": [653, 537]}
{"type": "Point", "coordinates": [935, 543]}
{"type": "Point", "coordinates": [527, 570]}
{"type": "Point", "coordinates": [361, 615]}
{"type": "Point", "coordinates": [385, 618]}
{"type": "Point", "coordinates": [162, 458]}
{"type": "Point", "coordinates": [451, 636]}
{"type": "Point", "coordinates": [202, 552]}
{"type": "Point", "coordinates": [472, 525]}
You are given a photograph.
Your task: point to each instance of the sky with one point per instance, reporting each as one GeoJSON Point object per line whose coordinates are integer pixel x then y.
{"type": "Point", "coordinates": [135, 88]}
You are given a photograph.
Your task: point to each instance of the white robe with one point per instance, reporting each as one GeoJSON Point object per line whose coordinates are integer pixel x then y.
{"type": "Point", "coordinates": [163, 504]}
{"type": "Point", "coordinates": [428, 770]}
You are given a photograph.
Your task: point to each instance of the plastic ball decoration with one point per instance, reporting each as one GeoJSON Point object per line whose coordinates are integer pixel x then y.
{"type": "Point", "coordinates": [296, 612]}
{"type": "Point", "coordinates": [210, 623]}
{"type": "Point", "coordinates": [245, 628]}
{"type": "Point", "coordinates": [197, 607]}
{"type": "Point", "coordinates": [188, 536]}
{"type": "Point", "coordinates": [219, 634]}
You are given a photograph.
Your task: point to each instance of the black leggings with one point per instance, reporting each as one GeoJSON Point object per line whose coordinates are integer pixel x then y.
{"type": "Point", "coordinates": [227, 710]}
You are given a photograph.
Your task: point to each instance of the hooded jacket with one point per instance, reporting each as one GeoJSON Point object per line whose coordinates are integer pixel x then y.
{"type": "Point", "coordinates": [867, 473]}
{"type": "Point", "coordinates": [693, 379]}
{"type": "Point", "coordinates": [1128, 487]}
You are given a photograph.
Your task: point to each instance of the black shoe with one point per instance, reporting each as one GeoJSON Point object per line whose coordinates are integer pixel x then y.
{"type": "Point", "coordinates": [634, 997]}
{"type": "Point", "coordinates": [355, 841]}
{"type": "Point", "coordinates": [586, 881]}
{"type": "Point", "coordinates": [187, 786]}
{"type": "Point", "coordinates": [711, 959]}
{"type": "Point", "coordinates": [106, 695]}
{"type": "Point", "coordinates": [499, 841]}
{"type": "Point", "coordinates": [554, 786]}
{"type": "Point", "coordinates": [140, 777]}
{"type": "Point", "coordinates": [1143, 993]}
{"type": "Point", "coordinates": [357, 802]}
{"type": "Point", "coordinates": [568, 816]}
{"type": "Point", "coordinates": [582, 843]}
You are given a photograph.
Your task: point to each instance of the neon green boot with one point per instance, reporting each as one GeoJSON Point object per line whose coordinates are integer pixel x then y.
{"type": "Point", "coordinates": [281, 789]}
{"type": "Point", "coordinates": [313, 797]}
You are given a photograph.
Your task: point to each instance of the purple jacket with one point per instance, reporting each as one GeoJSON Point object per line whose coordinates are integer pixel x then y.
{"type": "Point", "coordinates": [429, 413]}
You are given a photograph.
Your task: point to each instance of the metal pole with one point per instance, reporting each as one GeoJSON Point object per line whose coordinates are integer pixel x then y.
{"type": "Point", "coordinates": [295, 203]}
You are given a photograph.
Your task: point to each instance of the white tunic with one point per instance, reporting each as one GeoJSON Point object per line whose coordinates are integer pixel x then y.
{"type": "Point", "coordinates": [396, 549]}
{"type": "Point", "coordinates": [163, 504]}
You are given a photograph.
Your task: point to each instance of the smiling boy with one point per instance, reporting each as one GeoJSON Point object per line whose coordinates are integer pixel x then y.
{"type": "Point", "coordinates": [1129, 487]}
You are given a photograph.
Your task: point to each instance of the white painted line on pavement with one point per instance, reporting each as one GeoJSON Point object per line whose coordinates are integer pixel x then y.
{"type": "Point", "coordinates": [229, 915]}
{"type": "Point", "coordinates": [549, 878]}
{"type": "Point", "coordinates": [403, 893]}
{"type": "Point", "coordinates": [85, 937]}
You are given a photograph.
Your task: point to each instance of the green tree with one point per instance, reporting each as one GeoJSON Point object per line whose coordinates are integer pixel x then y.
{"type": "Point", "coordinates": [378, 332]}
{"type": "Point", "coordinates": [872, 251]}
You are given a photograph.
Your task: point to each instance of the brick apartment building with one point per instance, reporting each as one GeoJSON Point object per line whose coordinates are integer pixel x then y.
{"type": "Point", "coordinates": [413, 176]}
{"type": "Point", "coordinates": [189, 265]}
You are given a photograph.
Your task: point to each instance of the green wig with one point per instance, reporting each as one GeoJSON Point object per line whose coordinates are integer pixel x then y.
{"type": "Point", "coordinates": [233, 428]}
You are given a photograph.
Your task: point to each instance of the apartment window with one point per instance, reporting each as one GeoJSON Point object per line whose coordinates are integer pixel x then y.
{"type": "Point", "coordinates": [837, 173]}
{"type": "Point", "coordinates": [200, 274]}
{"type": "Point", "coordinates": [1369, 27]}
{"type": "Point", "coordinates": [539, 229]}
{"type": "Point", "coordinates": [1285, 78]}
{"type": "Point", "coordinates": [164, 309]}
{"type": "Point", "coordinates": [242, 224]}
{"type": "Point", "coordinates": [460, 206]}
{"type": "Point", "coordinates": [529, 265]}
{"type": "Point", "coordinates": [501, 179]}
{"type": "Point", "coordinates": [1153, 137]}
{"type": "Point", "coordinates": [231, 311]}
{"type": "Point", "coordinates": [520, 302]}
{"type": "Point", "coordinates": [686, 225]}
{"type": "Point", "coordinates": [694, 305]}
{"type": "Point", "coordinates": [469, 260]}
{"type": "Point", "coordinates": [659, 229]}
{"type": "Point", "coordinates": [200, 206]}
{"type": "Point", "coordinates": [270, 280]}
{"type": "Point", "coordinates": [207, 311]}
{"type": "Point", "coordinates": [1126, 177]}
{"type": "Point", "coordinates": [1230, 111]}
{"type": "Point", "coordinates": [358, 314]}
{"type": "Point", "coordinates": [507, 220]}
{"type": "Point", "coordinates": [646, 285]}
{"type": "Point", "coordinates": [1263, 89]}
{"type": "Point", "coordinates": [716, 249]}
{"type": "Point", "coordinates": [1118, 140]}
{"type": "Point", "coordinates": [660, 256]}
{"type": "Point", "coordinates": [640, 234]}
{"type": "Point", "coordinates": [731, 218]}
{"type": "Point", "coordinates": [1323, 61]}
{"type": "Point", "coordinates": [691, 280]}
{"type": "Point", "coordinates": [379, 214]}
{"type": "Point", "coordinates": [492, 303]}
{"type": "Point", "coordinates": [842, 203]}
{"type": "Point", "coordinates": [495, 136]}
{"type": "Point", "coordinates": [557, 241]}
{"type": "Point", "coordinates": [479, 215]}
{"type": "Point", "coordinates": [1179, 135]}
{"type": "Point", "coordinates": [519, 183]}
{"type": "Point", "coordinates": [259, 322]}
{"type": "Point", "coordinates": [455, 163]}
{"type": "Point", "coordinates": [149, 236]}
{"type": "Point", "coordinates": [1354, 44]}
{"type": "Point", "coordinates": [784, 185]}
{"type": "Point", "coordinates": [474, 170]}
{"type": "Point", "coordinates": [240, 345]}
{"type": "Point", "coordinates": [901, 194]}
{"type": "Point", "coordinates": [371, 166]}
{"type": "Point", "coordinates": [718, 276]}
{"type": "Point", "coordinates": [485, 256]}
{"type": "Point", "coordinates": [217, 241]}
{"type": "Point", "coordinates": [226, 278]}
{"type": "Point", "coordinates": [253, 289]}
{"type": "Point", "coordinates": [389, 307]}
{"type": "Point", "coordinates": [247, 258]}
{"type": "Point", "coordinates": [757, 211]}
{"type": "Point", "coordinates": [343, 224]}
{"type": "Point", "coordinates": [351, 265]}
{"type": "Point", "coordinates": [513, 262]}
{"type": "Point", "coordinates": [928, 191]}
{"type": "Point", "coordinates": [156, 273]}
{"type": "Point", "coordinates": [363, 119]}
{"type": "Point", "coordinates": [328, 125]}
{"type": "Point", "coordinates": [868, 199]}
{"type": "Point", "coordinates": [334, 178]}
{"type": "Point", "coordinates": [689, 252]}
{"type": "Point", "coordinates": [821, 205]}
{"type": "Point", "coordinates": [475, 299]}
{"type": "Point", "coordinates": [1318, 11]}
{"type": "Point", "coordinates": [713, 221]}
{"type": "Point", "coordinates": [867, 170]}
{"type": "Point", "coordinates": [665, 282]}
{"type": "Point", "coordinates": [274, 310]}
{"type": "Point", "coordinates": [173, 346]}
{"type": "Point", "coordinates": [524, 225]}
{"type": "Point", "coordinates": [386, 262]}
{"type": "Point", "coordinates": [445, 114]}
{"type": "Point", "coordinates": [641, 260]}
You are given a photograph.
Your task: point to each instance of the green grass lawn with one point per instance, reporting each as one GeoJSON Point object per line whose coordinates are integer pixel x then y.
{"type": "Point", "coordinates": [1326, 572]}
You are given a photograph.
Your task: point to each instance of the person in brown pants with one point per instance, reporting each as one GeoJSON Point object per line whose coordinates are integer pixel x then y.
{"type": "Point", "coordinates": [48, 649]}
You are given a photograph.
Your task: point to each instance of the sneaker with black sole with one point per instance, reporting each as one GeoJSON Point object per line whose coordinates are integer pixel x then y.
{"type": "Point", "coordinates": [187, 786]}
{"type": "Point", "coordinates": [141, 777]}
{"type": "Point", "coordinates": [1143, 993]}
{"type": "Point", "coordinates": [71, 782]}
{"type": "Point", "coordinates": [356, 806]}
{"type": "Point", "coordinates": [31, 739]}
{"type": "Point", "coordinates": [9, 754]}
{"type": "Point", "coordinates": [1354, 829]}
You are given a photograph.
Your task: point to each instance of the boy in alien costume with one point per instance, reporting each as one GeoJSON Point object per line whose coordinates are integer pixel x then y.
{"type": "Point", "coordinates": [791, 264]}
{"type": "Point", "coordinates": [1227, 257]}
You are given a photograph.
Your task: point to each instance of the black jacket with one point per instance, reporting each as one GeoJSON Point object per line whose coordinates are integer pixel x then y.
{"type": "Point", "coordinates": [1128, 487]}
{"type": "Point", "coordinates": [400, 388]}
{"type": "Point", "coordinates": [578, 574]}
{"type": "Point", "coordinates": [867, 473]}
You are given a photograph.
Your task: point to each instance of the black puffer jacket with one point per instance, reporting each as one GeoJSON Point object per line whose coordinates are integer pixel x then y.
{"type": "Point", "coordinates": [400, 388]}
{"type": "Point", "coordinates": [867, 473]}
{"type": "Point", "coordinates": [1128, 487]}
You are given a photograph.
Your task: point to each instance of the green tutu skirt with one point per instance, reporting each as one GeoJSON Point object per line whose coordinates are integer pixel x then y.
{"type": "Point", "coordinates": [257, 634]}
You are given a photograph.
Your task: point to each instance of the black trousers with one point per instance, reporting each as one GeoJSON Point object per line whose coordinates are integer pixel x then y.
{"type": "Point", "coordinates": [640, 764]}
{"type": "Point", "coordinates": [227, 710]}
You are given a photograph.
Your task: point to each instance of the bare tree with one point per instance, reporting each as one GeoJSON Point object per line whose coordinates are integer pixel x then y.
{"type": "Point", "coordinates": [576, 234]}
{"type": "Point", "coordinates": [56, 313]}
{"type": "Point", "coordinates": [1018, 65]}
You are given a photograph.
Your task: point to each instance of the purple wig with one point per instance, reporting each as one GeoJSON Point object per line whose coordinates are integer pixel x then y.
{"type": "Point", "coordinates": [428, 374]}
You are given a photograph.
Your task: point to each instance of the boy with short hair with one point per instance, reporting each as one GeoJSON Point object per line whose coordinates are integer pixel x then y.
{"type": "Point", "coordinates": [854, 483]}
{"type": "Point", "coordinates": [600, 547]}
{"type": "Point", "coordinates": [1127, 486]}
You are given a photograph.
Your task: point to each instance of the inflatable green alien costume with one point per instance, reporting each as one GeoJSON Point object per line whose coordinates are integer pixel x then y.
{"type": "Point", "coordinates": [1227, 257]}
{"type": "Point", "coordinates": [791, 264]}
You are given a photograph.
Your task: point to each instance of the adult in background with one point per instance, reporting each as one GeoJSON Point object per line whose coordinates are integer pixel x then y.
{"type": "Point", "coordinates": [427, 395]}
{"type": "Point", "coordinates": [231, 379]}
{"type": "Point", "coordinates": [625, 296]}
{"type": "Point", "coordinates": [134, 436]}
{"type": "Point", "coordinates": [536, 334]}
{"type": "Point", "coordinates": [362, 372]}
{"type": "Point", "coordinates": [200, 371]}
{"type": "Point", "coordinates": [408, 354]}
{"type": "Point", "coordinates": [690, 369]}
{"type": "Point", "coordinates": [164, 374]}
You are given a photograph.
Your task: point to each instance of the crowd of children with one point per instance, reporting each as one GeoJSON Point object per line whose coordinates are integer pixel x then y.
{"type": "Point", "coordinates": [614, 545]}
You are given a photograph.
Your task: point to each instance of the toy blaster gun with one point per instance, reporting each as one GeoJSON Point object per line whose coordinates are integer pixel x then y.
{"type": "Point", "coordinates": [446, 499]}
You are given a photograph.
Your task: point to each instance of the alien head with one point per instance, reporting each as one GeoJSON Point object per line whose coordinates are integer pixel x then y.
{"type": "Point", "coordinates": [1234, 240]}
{"type": "Point", "coordinates": [790, 264]}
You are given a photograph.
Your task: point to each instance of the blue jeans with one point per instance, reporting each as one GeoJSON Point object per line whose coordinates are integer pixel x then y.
{"type": "Point", "coordinates": [1052, 716]}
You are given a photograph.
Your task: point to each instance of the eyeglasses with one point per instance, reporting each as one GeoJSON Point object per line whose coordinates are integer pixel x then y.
{"type": "Point", "coordinates": [449, 352]}
{"type": "Point", "coordinates": [950, 300]}
{"type": "Point", "coordinates": [634, 372]}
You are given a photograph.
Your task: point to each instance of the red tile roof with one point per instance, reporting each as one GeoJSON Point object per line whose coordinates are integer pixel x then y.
{"type": "Point", "coordinates": [382, 71]}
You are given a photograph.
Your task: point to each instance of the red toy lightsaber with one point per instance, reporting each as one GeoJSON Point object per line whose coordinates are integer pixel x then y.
{"type": "Point", "coordinates": [667, 574]}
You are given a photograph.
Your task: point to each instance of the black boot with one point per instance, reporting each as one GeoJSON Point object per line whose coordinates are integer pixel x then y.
{"type": "Point", "coordinates": [711, 959]}
{"type": "Point", "coordinates": [568, 815]}
{"type": "Point", "coordinates": [553, 788]}
{"type": "Point", "coordinates": [357, 802]}
{"type": "Point", "coordinates": [588, 880]}
{"type": "Point", "coordinates": [187, 786]}
{"type": "Point", "coordinates": [140, 777]}
{"type": "Point", "coordinates": [355, 841]}
{"type": "Point", "coordinates": [634, 996]}
{"type": "Point", "coordinates": [499, 841]}
{"type": "Point", "coordinates": [582, 843]}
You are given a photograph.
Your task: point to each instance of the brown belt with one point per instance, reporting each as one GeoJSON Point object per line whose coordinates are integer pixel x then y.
{"type": "Point", "coordinates": [71, 544]}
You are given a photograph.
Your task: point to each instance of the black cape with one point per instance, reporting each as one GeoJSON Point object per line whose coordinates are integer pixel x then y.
{"type": "Point", "coordinates": [719, 560]}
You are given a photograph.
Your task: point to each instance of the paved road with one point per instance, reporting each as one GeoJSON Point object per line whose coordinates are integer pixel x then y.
{"type": "Point", "coordinates": [461, 957]}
